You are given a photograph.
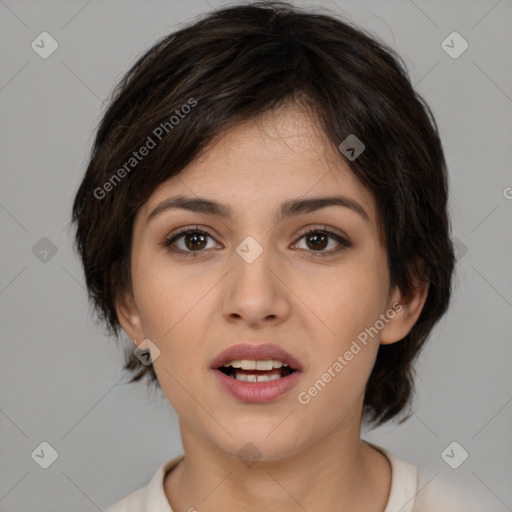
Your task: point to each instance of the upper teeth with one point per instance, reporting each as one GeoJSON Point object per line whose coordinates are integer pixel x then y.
{"type": "Point", "coordinates": [247, 364]}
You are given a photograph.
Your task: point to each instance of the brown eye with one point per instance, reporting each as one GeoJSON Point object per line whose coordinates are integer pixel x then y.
{"type": "Point", "coordinates": [188, 242]}
{"type": "Point", "coordinates": [317, 241]}
{"type": "Point", "coordinates": [195, 241]}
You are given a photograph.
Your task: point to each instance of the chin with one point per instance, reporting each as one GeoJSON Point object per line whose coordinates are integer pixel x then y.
{"type": "Point", "coordinates": [256, 444]}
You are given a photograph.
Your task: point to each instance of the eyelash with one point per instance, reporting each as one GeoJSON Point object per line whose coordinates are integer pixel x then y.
{"type": "Point", "coordinates": [344, 244]}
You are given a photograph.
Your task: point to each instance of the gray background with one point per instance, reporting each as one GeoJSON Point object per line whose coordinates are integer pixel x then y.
{"type": "Point", "coordinates": [61, 378]}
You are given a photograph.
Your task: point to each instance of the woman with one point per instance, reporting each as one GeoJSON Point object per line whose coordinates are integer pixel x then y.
{"type": "Point", "coordinates": [265, 215]}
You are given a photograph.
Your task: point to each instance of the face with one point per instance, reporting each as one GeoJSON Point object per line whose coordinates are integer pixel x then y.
{"type": "Point", "coordinates": [257, 277]}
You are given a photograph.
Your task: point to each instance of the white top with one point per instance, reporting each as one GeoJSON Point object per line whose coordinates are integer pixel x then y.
{"type": "Point", "coordinates": [411, 491]}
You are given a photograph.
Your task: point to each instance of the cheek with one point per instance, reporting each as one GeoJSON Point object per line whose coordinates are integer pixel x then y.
{"type": "Point", "coordinates": [165, 295]}
{"type": "Point", "coordinates": [171, 309]}
{"type": "Point", "coordinates": [175, 310]}
{"type": "Point", "coordinates": [342, 363]}
{"type": "Point", "coordinates": [335, 394]}
{"type": "Point", "coordinates": [354, 297]}
{"type": "Point", "coordinates": [350, 306]}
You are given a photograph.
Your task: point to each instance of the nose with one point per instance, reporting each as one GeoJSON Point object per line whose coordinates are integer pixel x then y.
{"type": "Point", "coordinates": [255, 293]}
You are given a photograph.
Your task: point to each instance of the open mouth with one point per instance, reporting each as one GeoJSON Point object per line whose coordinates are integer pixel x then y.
{"type": "Point", "coordinates": [256, 371]}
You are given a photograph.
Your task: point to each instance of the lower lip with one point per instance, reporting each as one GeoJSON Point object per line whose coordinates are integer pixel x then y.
{"type": "Point", "coordinates": [257, 392]}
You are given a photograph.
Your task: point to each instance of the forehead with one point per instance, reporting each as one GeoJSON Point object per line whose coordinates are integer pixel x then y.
{"type": "Point", "coordinates": [261, 163]}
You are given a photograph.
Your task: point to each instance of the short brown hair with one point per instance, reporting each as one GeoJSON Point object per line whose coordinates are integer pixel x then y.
{"type": "Point", "coordinates": [235, 64]}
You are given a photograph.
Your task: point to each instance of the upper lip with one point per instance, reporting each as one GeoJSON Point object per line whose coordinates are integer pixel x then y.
{"type": "Point", "coordinates": [256, 353]}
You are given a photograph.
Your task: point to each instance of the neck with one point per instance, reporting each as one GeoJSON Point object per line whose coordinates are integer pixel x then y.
{"type": "Point", "coordinates": [339, 472]}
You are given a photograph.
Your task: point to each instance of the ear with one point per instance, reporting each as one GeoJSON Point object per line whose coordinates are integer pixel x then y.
{"type": "Point", "coordinates": [406, 307]}
{"type": "Point", "coordinates": [130, 320]}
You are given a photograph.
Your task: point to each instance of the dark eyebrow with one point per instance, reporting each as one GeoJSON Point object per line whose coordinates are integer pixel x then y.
{"type": "Point", "coordinates": [298, 206]}
{"type": "Point", "coordinates": [287, 209]}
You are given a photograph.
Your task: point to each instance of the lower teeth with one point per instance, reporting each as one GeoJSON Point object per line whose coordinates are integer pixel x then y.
{"type": "Point", "coordinates": [247, 377]}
